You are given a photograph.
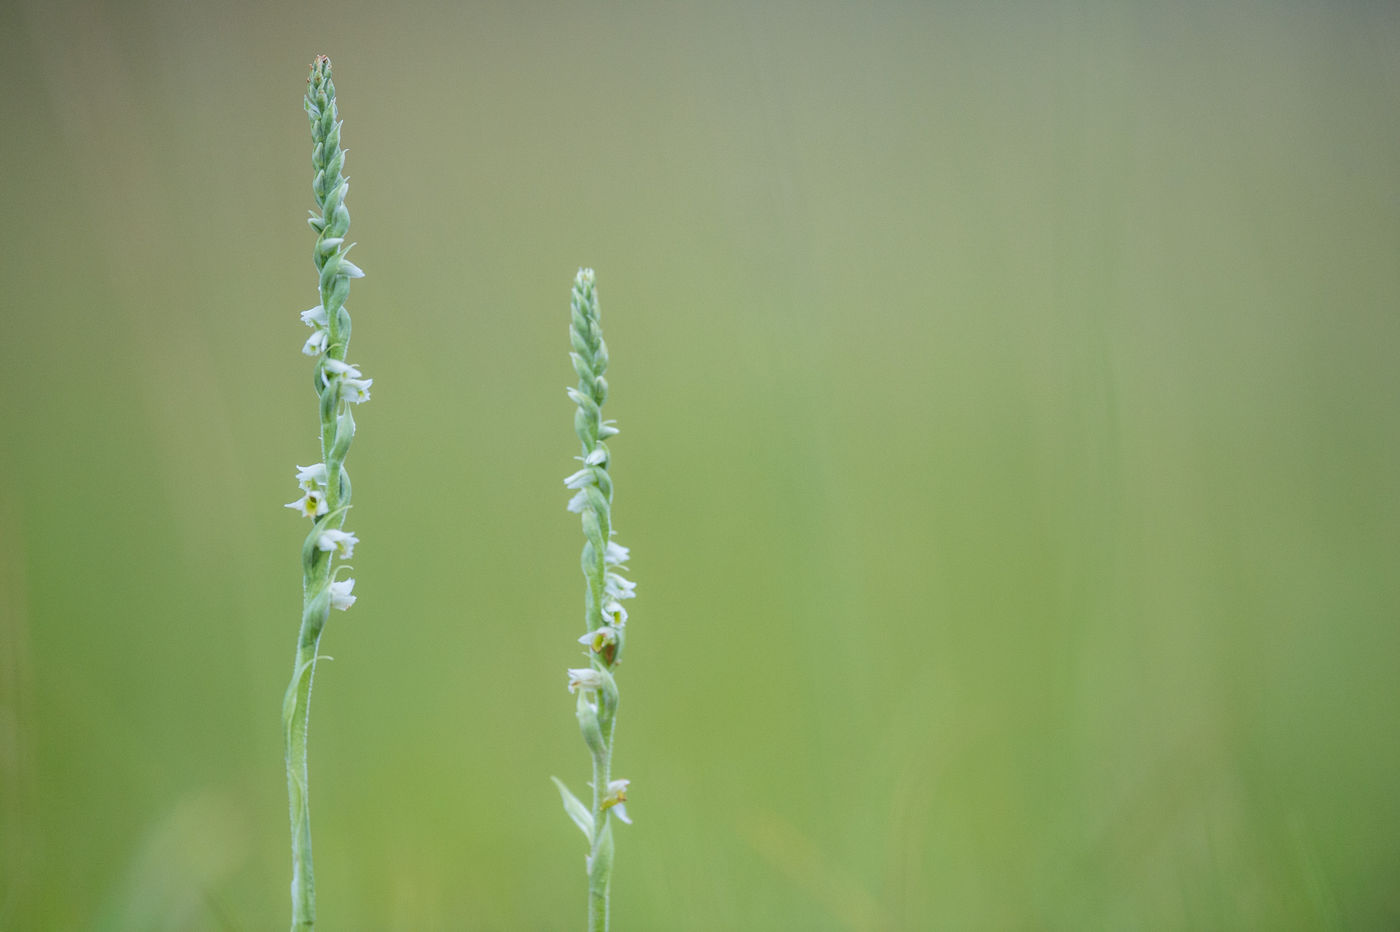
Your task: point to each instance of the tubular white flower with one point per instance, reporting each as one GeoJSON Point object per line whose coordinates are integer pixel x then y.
{"type": "Point", "coordinates": [616, 554]}
{"type": "Point", "coordinates": [312, 504]}
{"type": "Point", "coordinates": [340, 594]}
{"type": "Point", "coordinates": [355, 391]}
{"type": "Point", "coordinates": [338, 369]}
{"type": "Point", "coordinates": [315, 344]}
{"type": "Point", "coordinates": [579, 480]}
{"type": "Point", "coordinates": [311, 478]}
{"type": "Point", "coordinates": [315, 317]}
{"type": "Point", "coordinates": [340, 543]}
{"type": "Point", "coordinates": [613, 609]}
{"type": "Point", "coordinates": [599, 639]}
{"type": "Point", "coordinates": [585, 678]}
{"type": "Point", "coordinates": [615, 797]}
{"type": "Point", "coordinates": [619, 588]}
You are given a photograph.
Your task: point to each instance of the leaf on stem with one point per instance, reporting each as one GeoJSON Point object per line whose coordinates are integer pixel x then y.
{"type": "Point", "coordinates": [576, 810]}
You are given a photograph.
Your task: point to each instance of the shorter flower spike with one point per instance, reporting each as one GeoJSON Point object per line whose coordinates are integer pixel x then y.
{"type": "Point", "coordinates": [606, 589]}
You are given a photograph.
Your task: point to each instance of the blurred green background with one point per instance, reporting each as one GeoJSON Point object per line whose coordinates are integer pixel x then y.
{"type": "Point", "coordinates": [1010, 462]}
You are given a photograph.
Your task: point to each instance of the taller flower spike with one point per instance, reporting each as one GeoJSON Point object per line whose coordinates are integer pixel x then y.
{"type": "Point", "coordinates": [326, 485]}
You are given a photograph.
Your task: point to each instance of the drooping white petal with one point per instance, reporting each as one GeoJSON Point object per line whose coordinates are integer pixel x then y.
{"type": "Point", "coordinates": [311, 478]}
{"type": "Point", "coordinates": [315, 344]}
{"type": "Point", "coordinates": [619, 588]}
{"type": "Point", "coordinates": [312, 504]}
{"type": "Point", "coordinates": [341, 597]}
{"type": "Point", "coordinates": [356, 391]}
{"type": "Point", "coordinates": [585, 678]}
{"type": "Point", "coordinates": [580, 479]}
{"type": "Point", "coordinates": [615, 610]}
{"type": "Point", "coordinates": [344, 369]}
{"type": "Point", "coordinates": [341, 543]}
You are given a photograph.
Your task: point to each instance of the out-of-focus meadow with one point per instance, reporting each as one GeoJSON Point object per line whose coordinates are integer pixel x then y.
{"type": "Point", "coordinates": [1010, 457]}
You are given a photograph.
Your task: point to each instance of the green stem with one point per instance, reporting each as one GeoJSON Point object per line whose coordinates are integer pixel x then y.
{"type": "Point", "coordinates": [298, 775]}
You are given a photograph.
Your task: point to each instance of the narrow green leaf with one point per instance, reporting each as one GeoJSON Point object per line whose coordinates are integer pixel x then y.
{"type": "Point", "coordinates": [576, 810]}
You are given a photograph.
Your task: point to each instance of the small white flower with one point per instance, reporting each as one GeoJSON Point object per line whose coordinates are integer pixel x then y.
{"type": "Point", "coordinates": [350, 269]}
{"type": "Point", "coordinates": [312, 504]}
{"type": "Point", "coordinates": [340, 594]}
{"type": "Point", "coordinates": [616, 554]}
{"type": "Point", "coordinates": [599, 639]}
{"type": "Point", "coordinates": [311, 478]}
{"type": "Point", "coordinates": [598, 456]}
{"type": "Point", "coordinates": [341, 369]}
{"type": "Point", "coordinates": [619, 588]}
{"type": "Point", "coordinates": [577, 502]}
{"type": "Point", "coordinates": [615, 610]}
{"type": "Point", "coordinates": [608, 429]}
{"type": "Point", "coordinates": [341, 543]}
{"type": "Point", "coordinates": [585, 678]}
{"type": "Point", "coordinates": [315, 317]}
{"type": "Point", "coordinates": [615, 797]}
{"type": "Point", "coordinates": [579, 480]}
{"type": "Point", "coordinates": [356, 391]}
{"type": "Point", "coordinates": [315, 344]}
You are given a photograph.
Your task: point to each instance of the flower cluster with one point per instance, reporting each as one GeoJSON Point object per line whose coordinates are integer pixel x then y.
{"type": "Point", "coordinates": [343, 382]}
